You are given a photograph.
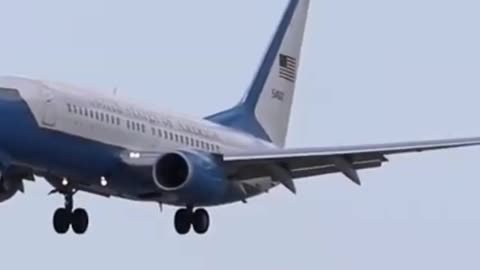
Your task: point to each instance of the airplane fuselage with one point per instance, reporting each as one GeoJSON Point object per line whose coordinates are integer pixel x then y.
{"type": "Point", "coordinates": [62, 132]}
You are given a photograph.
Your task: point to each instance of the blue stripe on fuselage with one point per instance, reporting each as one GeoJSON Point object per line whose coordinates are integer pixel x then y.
{"type": "Point", "coordinates": [54, 152]}
{"type": "Point", "coordinates": [23, 142]}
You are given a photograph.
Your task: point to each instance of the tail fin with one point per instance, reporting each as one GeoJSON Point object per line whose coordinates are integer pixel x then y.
{"type": "Point", "coordinates": [265, 109]}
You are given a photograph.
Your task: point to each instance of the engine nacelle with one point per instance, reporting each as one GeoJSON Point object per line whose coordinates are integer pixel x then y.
{"type": "Point", "coordinates": [194, 177]}
{"type": "Point", "coordinates": [9, 187]}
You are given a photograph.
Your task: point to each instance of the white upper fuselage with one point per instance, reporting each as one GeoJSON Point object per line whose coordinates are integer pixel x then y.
{"type": "Point", "coordinates": [107, 119]}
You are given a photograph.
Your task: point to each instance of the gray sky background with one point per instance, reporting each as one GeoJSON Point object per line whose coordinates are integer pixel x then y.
{"type": "Point", "coordinates": [372, 71]}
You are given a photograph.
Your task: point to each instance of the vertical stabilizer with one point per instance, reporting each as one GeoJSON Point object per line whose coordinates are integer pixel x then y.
{"type": "Point", "coordinates": [265, 109]}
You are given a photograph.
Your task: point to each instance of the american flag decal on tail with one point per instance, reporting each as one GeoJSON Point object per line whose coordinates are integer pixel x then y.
{"type": "Point", "coordinates": [288, 68]}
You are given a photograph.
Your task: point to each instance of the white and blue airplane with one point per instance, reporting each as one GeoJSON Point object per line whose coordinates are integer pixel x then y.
{"type": "Point", "coordinates": [79, 140]}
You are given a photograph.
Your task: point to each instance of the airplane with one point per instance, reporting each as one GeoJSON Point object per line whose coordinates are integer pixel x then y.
{"type": "Point", "coordinates": [80, 140]}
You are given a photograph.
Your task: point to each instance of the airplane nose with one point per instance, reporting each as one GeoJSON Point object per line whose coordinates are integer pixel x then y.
{"type": "Point", "coordinates": [10, 87]}
{"type": "Point", "coordinates": [9, 94]}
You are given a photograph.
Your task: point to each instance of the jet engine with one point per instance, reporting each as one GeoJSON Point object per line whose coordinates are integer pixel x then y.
{"type": "Point", "coordinates": [192, 176]}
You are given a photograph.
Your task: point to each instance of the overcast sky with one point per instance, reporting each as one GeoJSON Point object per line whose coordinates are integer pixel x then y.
{"type": "Point", "coordinates": [372, 71]}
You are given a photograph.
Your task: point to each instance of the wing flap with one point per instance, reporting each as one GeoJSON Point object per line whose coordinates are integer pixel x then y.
{"type": "Point", "coordinates": [322, 170]}
{"type": "Point", "coordinates": [371, 149]}
{"type": "Point", "coordinates": [307, 162]}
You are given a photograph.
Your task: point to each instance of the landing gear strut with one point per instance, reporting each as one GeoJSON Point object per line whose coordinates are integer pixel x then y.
{"type": "Point", "coordinates": [186, 218]}
{"type": "Point", "coordinates": [65, 217]}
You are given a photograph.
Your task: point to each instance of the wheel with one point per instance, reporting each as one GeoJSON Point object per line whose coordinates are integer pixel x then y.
{"type": "Point", "coordinates": [183, 221]}
{"type": "Point", "coordinates": [80, 221]}
{"type": "Point", "coordinates": [201, 221]}
{"type": "Point", "coordinates": [61, 221]}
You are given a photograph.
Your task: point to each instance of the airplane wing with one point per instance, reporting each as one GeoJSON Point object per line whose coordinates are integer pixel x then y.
{"type": "Point", "coordinates": [285, 165]}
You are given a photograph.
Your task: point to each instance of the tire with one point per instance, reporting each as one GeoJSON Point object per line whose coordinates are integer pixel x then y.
{"type": "Point", "coordinates": [201, 221]}
{"type": "Point", "coordinates": [183, 221]}
{"type": "Point", "coordinates": [80, 221]}
{"type": "Point", "coordinates": [61, 221]}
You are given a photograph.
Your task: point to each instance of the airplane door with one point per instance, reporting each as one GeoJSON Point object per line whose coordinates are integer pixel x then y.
{"type": "Point", "coordinates": [49, 117]}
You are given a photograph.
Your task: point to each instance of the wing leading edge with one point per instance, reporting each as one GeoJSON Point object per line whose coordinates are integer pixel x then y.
{"type": "Point", "coordinates": [284, 165]}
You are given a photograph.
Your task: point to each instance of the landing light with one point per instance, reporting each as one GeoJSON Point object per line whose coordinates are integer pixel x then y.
{"type": "Point", "coordinates": [134, 155]}
{"type": "Point", "coordinates": [103, 181]}
{"type": "Point", "coordinates": [65, 182]}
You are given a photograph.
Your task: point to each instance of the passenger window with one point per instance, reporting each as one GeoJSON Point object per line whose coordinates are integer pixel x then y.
{"type": "Point", "coordinates": [101, 117]}
{"type": "Point", "coordinates": [74, 109]}
{"type": "Point", "coordinates": [165, 134]}
{"type": "Point", "coordinates": [97, 116]}
{"type": "Point", "coordinates": [69, 107]}
{"type": "Point", "coordinates": [118, 121]}
{"type": "Point", "coordinates": [171, 136]}
{"type": "Point", "coordinates": [176, 138]}
{"type": "Point", "coordinates": [91, 114]}
{"type": "Point", "coordinates": [128, 124]}
{"type": "Point", "coordinates": [107, 118]}
{"type": "Point", "coordinates": [154, 132]}
{"type": "Point", "coordinates": [197, 143]}
{"type": "Point", "coordinates": [138, 126]}
{"type": "Point", "coordinates": [144, 129]}
{"type": "Point", "coordinates": [159, 133]}
{"type": "Point", "coordinates": [181, 140]}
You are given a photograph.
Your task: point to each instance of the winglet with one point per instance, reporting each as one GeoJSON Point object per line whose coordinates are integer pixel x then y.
{"type": "Point", "coordinates": [346, 167]}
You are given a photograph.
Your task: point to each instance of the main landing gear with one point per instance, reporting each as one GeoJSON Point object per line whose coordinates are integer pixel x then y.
{"type": "Point", "coordinates": [65, 217]}
{"type": "Point", "coordinates": [186, 218]}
